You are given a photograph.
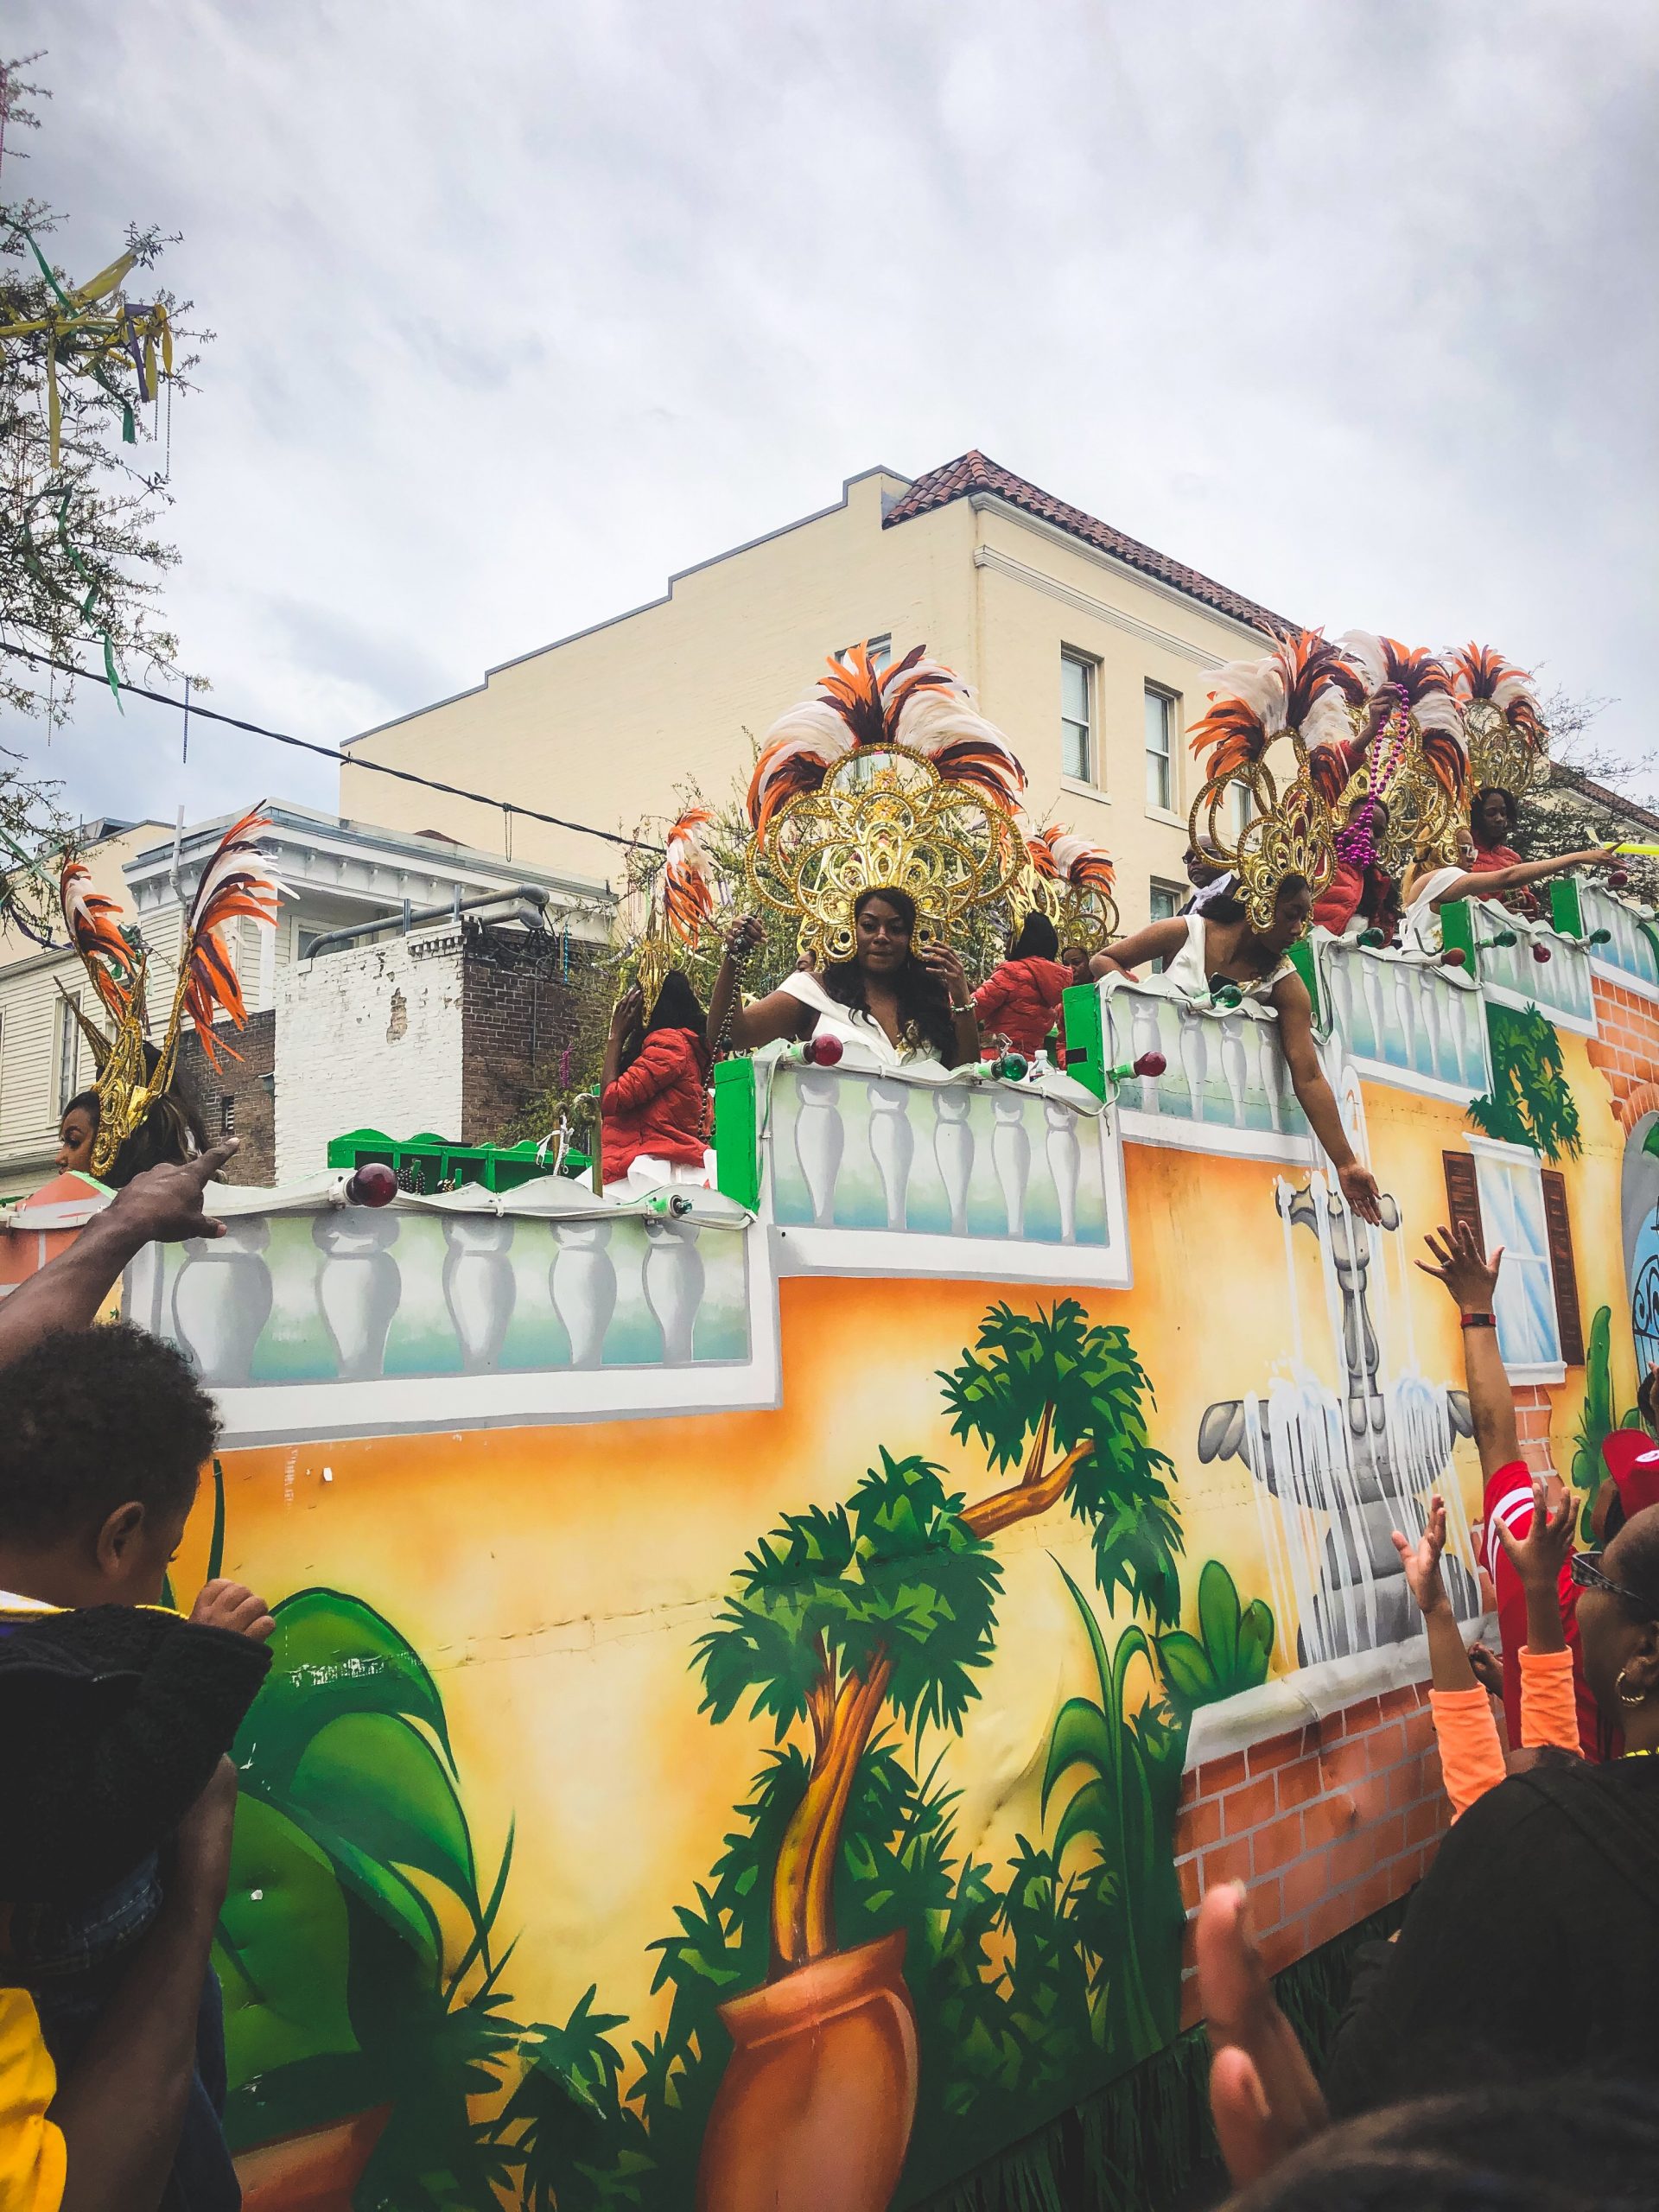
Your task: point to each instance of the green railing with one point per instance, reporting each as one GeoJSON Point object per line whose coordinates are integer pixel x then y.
{"type": "Point", "coordinates": [427, 1163]}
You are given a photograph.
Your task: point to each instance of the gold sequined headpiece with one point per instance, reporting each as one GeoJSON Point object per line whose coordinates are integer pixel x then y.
{"type": "Point", "coordinates": [889, 779]}
{"type": "Point", "coordinates": [682, 904]}
{"type": "Point", "coordinates": [1503, 729]}
{"type": "Point", "coordinates": [1071, 882]}
{"type": "Point", "coordinates": [236, 883]}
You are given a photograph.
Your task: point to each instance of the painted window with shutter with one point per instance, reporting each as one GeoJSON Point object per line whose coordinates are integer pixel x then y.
{"type": "Point", "coordinates": [1507, 1208]}
{"type": "Point", "coordinates": [1462, 1194]}
{"type": "Point", "coordinates": [1558, 1229]}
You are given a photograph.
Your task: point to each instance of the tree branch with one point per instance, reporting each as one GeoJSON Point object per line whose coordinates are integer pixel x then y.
{"type": "Point", "coordinates": [1038, 1452]}
{"type": "Point", "coordinates": [1027, 1499]}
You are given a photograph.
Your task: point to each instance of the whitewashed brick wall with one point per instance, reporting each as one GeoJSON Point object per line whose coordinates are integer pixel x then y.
{"type": "Point", "coordinates": [367, 1037]}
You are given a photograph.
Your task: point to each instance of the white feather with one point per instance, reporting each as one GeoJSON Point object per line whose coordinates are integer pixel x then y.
{"type": "Point", "coordinates": [1439, 710]}
{"type": "Point", "coordinates": [1516, 685]}
{"type": "Point", "coordinates": [931, 721]}
{"type": "Point", "coordinates": [1259, 683]}
{"type": "Point", "coordinates": [1368, 653]}
{"type": "Point", "coordinates": [1326, 721]}
{"type": "Point", "coordinates": [815, 727]}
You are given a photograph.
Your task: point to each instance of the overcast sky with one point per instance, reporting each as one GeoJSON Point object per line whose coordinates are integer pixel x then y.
{"type": "Point", "coordinates": [522, 307]}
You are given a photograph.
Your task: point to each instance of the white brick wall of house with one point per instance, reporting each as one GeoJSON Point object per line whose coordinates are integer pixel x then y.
{"type": "Point", "coordinates": [368, 1037]}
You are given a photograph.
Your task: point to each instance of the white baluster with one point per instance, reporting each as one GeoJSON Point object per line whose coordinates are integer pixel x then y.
{"type": "Point", "coordinates": [1232, 1062]}
{"type": "Point", "coordinates": [893, 1143]}
{"type": "Point", "coordinates": [1339, 981]}
{"type": "Point", "coordinates": [1403, 1007]}
{"type": "Point", "coordinates": [478, 1285]}
{"type": "Point", "coordinates": [1371, 977]}
{"type": "Point", "coordinates": [1147, 1031]}
{"type": "Point", "coordinates": [674, 1279]}
{"type": "Point", "coordinates": [1195, 1061]}
{"type": "Point", "coordinates": [222, 1298]}
{"type": "Point", "coordinates": [1428, 994]}
{"type": "Point", "coordinates": [358, 1285]}
{"type": "Point", "coordinates": [582, 1281]}
{"type": "Point", "coordinates": [1011, 1152]}
{"type": "Point", "coordinates": [953, 1148]}
{"type": "Point", "coordinates": [819, 1138]}
{"type": "Point", "coordinates": [1263, 1036]}
{"type": "Point", "coordinates": [1065, 1163]}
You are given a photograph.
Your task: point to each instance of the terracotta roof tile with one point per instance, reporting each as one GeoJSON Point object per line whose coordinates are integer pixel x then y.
{"type": "Point", "coordinates": [959, 480]}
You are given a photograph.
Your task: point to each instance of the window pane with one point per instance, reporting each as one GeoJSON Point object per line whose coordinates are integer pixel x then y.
{"type": "Point", "coordinates": [1157, 723]}
{"type": "Point", "coordinates": [1074, 689]}
{"type": "Point", "coordinates": [1512, 1213]}
{"type": "Point", "coordinates": [1160, 774]}
{"type": "Point", "coordinates": [1074, 750]}
{"type": "Point", "coordinates": [1158, 780]}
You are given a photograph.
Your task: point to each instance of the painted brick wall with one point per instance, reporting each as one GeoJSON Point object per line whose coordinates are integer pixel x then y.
{"type": "Point", "coordinates": [1327, 1823]}
{"type": "Point", "coordinates": [253, 1106]}
{"type": "Point", "coordinates": [518, 1015]}
{"type": "Point", "coordinates": [1626, 1048]}
{"type": "Point", "coordinates": [367, 1037]}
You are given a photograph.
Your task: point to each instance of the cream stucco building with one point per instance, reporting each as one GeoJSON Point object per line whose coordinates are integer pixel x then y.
{"type": "Point", "coordinates": [1090, 649]}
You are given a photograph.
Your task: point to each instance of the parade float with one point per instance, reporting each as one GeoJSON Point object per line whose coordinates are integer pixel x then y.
{"type": "Point", "coordinates": [765, 1664]}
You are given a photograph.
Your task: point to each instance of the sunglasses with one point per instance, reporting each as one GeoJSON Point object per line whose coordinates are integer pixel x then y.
{"type": "Point", "coordinates": [1585, 1570]}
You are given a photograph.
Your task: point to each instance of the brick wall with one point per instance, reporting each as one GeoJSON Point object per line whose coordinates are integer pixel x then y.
{"type": "Point", "coordinates": [246, 1084]}
{"type": "Point", "coordinates": [1626, 1049]}
{"type": "Point", "coordinates": [516, 1016]}
{"type": "Point", "coordinates": [1327, 1823]}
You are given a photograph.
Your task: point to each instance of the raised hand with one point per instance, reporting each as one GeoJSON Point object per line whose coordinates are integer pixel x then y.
{"type": "Point", "coordinates": [943, 963]}
{"type": "Point", "coordinates": [1537, 1557]}
{"type": "Point", "coordinates": [165, 1204]}
{"type": "Point", "coordinates": [1467, 1273]}
{"type": "Point", "coordinates": [1421, 1561]}
{"type": "Point", "coordinates": [1359, 1188]}
{"type": "Point", "coordinates": [744, 936]}
{"type": "Point", "coordinates": [232, 1607]}
{"type": "Point", "coordinates": [1264, 2098]}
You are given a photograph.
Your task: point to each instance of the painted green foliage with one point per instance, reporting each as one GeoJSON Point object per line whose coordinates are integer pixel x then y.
{"type": "Point", "coordinates": [1596, 1417]}
{"type": "Point", "coordinates": [1530, 1101]}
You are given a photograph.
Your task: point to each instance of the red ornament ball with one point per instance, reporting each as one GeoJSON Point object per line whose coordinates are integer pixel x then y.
{"type": "Point", "coordinates": [1541, 954]}
{"type": "Point", "coordinates": [1151, 1063]}
{"type": "Point", "coordinates": [824, 1052]}
{"type": "Point", "coordinates": [373, 1184]}
{"type": "Point", "coordinates": [1454, 956]}
{"type": "Point", "coordinates": [1619, 880]}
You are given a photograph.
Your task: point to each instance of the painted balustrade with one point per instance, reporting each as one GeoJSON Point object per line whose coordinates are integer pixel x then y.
{"type": "Point", "coordinates": [1630, 952]}
{"type": "Point", "coordinates": [1225, 1085]}
{"type": "Point", "coordinates": [915, 1170]}
{"type": "Point", "coordinates": [1507, 947]}
{"type": "Point", "coordinates": [1404, 1015]}
{"type": "Point", "coordinates": [520, 1308]}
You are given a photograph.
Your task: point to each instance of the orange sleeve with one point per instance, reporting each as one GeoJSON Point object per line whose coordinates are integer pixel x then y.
{"type": "Point", "coordinates": [994, 993]}
{"type": "Point", "coordinates": [32, 2160]}
{"type": "Point", "coordinates": [1549, 1711]}
{"type": "Point", "coordinates": [1472, 1758]}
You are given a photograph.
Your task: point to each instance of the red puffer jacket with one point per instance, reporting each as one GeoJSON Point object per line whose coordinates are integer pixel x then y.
{"type": "Point", "coordinates": [1020, 999]}
{"type": "Point", "coordinates": [659, 1106]}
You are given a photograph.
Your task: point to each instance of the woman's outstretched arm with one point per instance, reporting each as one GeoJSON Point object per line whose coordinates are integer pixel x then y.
{"type": "Point", "coordinates": [1473, 885]}
{"type": "Point", "coordinates": [1156, 941]}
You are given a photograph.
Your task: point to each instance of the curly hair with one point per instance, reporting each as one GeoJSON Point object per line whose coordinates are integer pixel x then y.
{"type": "Point", "coordinates": [96, 1418]}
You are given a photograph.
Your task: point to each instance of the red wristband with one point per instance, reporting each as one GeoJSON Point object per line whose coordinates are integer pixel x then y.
{"type": "Point", "coordinates": [1479, 1321]}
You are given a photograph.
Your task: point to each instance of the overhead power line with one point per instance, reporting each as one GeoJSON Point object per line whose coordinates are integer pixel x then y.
{"type": "Point", "coordinates": [196, 711]}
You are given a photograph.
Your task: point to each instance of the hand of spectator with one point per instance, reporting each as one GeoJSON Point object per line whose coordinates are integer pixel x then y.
{"type": "Point", "coordinates": [1421, 1561]}
{"type": "Point", "coordinates": [1359, 1188]}
{"type": "Point", "coordinates": [1537, 1558]}
{"type": "Point", "coordinates": [1488, 1670]}
{"type": "Point", "coordinates": [201, 1843]}
{"type": "Point", "coordinates": [233, 1606]}
{"type": "Point", "coordinates": [163, 1205]}
{"type": "Point", "coordinates": [1264, 2098]}
{"type": "Point", "coordinates": [1472, 1278]}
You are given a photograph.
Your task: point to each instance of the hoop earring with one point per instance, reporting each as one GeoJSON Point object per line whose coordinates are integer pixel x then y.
{"type": "Point", "coordinates": [1624, 1696]}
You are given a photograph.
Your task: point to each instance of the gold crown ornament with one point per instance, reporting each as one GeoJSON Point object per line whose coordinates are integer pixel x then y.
{"type": "Point", "coordinates": [1427, 791]}
{"type": "Point", "coordinates": [1071, 882]}
{"type": "Point", "coordinates": [1264, 810]}
{"type": "Point", "coordinates": [1504, 731]}
{"type": "Point", "coordinates": [682, 903]}
{"type": "Point", "coordinates": [132, 1074]}
{"type": "Point", "coordinates": [890, 778]}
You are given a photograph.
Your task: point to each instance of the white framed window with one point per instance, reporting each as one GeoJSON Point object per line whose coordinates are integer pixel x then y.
{"type": "Point", "coordinates": [1161, 719]}
{"type": "Point", "coordinates": [66, 1080]}
{"type": "Point", "coordinates": [1078, 685]}
{"type": "Point", "coordinates": [1165, 902]}
{"type": "Point", "coordinates": [1509, 1180]}
{"type": "Point", "coordinates": [880, 649]}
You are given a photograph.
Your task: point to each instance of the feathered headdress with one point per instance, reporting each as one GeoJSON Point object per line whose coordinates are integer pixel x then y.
{"type": "Point", "coordinates": [1503, 729]}
{"type": "Point", "coordinates": [237, 883]}
{"type": "Point", "coordinates": [918, 705]}
{"type": "Point", "coordinates": [1384, 663]}
{"type": "Point", "coordinates": [682, 904]}
{"type": "Point", "coordinates": [1431, 788]}
{"type": "Point", "coordinates": [1301, 692]}
{"type": "Point", "coordinates": [1071, 881]}
{"type": "Point", "coordinates": [934, 818]}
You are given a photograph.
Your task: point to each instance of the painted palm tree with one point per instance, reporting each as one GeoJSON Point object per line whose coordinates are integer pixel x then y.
{"type": "Point", "coordinates": [888, 1603]}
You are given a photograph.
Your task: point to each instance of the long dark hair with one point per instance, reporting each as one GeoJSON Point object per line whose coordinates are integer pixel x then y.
{"type": "Point", "coordinates": [677, 1008]}
{"type": "Point", "coordinates": [922, 1002]}
{"type": "Point", "coordinates": [1038, 939]}
{"type": "Point", "coordinates": [172, 1131]}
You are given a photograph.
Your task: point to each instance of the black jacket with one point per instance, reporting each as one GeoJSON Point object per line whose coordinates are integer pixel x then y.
{"type": "Point", "coordinates": [112, 1719]}
{"type": "Point", "coordinates": [1531, 1946]}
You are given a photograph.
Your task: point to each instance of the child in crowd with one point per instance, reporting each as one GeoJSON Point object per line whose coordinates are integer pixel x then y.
{"type": "Point", "coordinates": [114, 1711]}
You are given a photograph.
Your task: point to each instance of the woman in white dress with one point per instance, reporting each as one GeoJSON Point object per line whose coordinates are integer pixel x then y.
{"type": "Point", "coordinates": [1431, 884]}
{"type": "Point", "coordinates": [1200, 954]}
{"type": "Point", "coordinates": [894, 1003]}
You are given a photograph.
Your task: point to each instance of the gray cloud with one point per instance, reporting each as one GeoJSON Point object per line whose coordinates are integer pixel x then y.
{"type": "Point", "coordinates": [521, 309]}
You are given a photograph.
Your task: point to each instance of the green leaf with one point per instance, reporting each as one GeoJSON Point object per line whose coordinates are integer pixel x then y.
{"type": "Point", "coordinates": [1186, 1669]}
{"type": "Point", "coordinates": [1081, 1736]}
{"type": "Point", "coordinates": [379, 1782]}
{"type": "Point", "coordinates": [282, 1947]}
{"type": "Point", "coordinates": [1256, 1638]}
{"type": "Point", "coordinates": [1218, 1618]}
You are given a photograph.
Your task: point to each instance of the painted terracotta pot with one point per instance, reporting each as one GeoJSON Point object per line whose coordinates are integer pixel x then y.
{"type": "Point", "coordinates": [814, 2112]}
{"type": "Point", "coordinates": [314, 2172]}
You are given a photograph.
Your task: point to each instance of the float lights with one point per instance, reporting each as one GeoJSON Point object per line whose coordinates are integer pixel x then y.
{"type": "Point", "coordinates": [1373, 940]}
{"type": "Point", "coordinates": [1619, 880]}
{"type": "Point", "coordinates": [819, 1051]}
{"type": "Point", "coordinates": [1150, 1064]}
{"type": "Point", "coordinates": [1454, 956]}
{"type": "Point", "coordinates": [1600, 937]}
{"type": "Point", "coordinates": [674, 1204]}
{"type": "Point", "coordinates": [373, 1184]}
{"type": "Point", "coordinates": [1541, 954]}
{"type": "Point", "coordinates": [1503, 938]}
{"type": "Point", "coordinates": [1226, 995]}
{"type": "Point", "coordinates": [1011, 1067]}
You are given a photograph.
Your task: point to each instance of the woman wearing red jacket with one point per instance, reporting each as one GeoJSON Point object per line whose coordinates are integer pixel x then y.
{"type": "Point", "coordinates": [654, 1098]}
{"type": "Point", "coordinates": [1020, 998]}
